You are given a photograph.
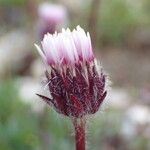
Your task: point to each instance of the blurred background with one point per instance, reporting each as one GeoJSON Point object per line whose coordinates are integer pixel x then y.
{"type": "Point", "coordinates": [120, 32]}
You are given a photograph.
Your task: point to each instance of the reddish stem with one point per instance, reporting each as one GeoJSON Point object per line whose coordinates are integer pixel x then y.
{"type": "Point", "coordinates": [79, 125]}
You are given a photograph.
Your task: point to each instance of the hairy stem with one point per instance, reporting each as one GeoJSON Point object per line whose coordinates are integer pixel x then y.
{"type": "Point", "coordinates": [79, 126]}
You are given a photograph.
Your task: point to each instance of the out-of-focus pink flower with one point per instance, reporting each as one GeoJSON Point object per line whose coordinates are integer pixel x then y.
{"type": "Point", "coordinates": [76, 83]}
{"type": "Point", "coordinates": [50, 17]}
{"type": "Point", "coordinates": [52, 13]}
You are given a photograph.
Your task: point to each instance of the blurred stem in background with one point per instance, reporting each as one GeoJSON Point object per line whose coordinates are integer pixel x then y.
{"type": "Point", "coordinates": [93, 20]}
{"type": "Point", "coordinates": [31, 6]}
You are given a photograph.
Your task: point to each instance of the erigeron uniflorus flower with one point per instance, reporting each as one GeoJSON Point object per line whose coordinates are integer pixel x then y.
{"type": "Point", "coordinates": [76, 82]}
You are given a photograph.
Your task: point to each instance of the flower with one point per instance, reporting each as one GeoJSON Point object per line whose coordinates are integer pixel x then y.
{"type": "Point", "coordinates": [50, 16]}
{"type": "Point", "coordinates": [76, 83]}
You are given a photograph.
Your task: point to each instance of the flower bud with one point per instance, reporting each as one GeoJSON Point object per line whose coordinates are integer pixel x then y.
{"type": "Point", "coordinates": [76, 83]}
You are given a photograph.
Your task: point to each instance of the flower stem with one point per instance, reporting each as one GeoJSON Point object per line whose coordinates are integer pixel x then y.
{"type": "Point", "coordinates": [79, 126]}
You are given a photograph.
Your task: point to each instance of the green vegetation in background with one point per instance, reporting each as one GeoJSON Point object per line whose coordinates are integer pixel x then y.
{"type": "Point", "coordinates": [12, 2]}
{"type": "Point", "coordinates": [18, 125]}
{"type": "Point", "coordinates": [146, 12]}
{"type": "Point", "coordinates": [119, 19]}
{"type": "Point", "coordinates": [115, 20]}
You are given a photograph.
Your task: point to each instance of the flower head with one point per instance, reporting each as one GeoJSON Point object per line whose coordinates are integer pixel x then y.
{"type": "Point", "coordinates": [76, 83]}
